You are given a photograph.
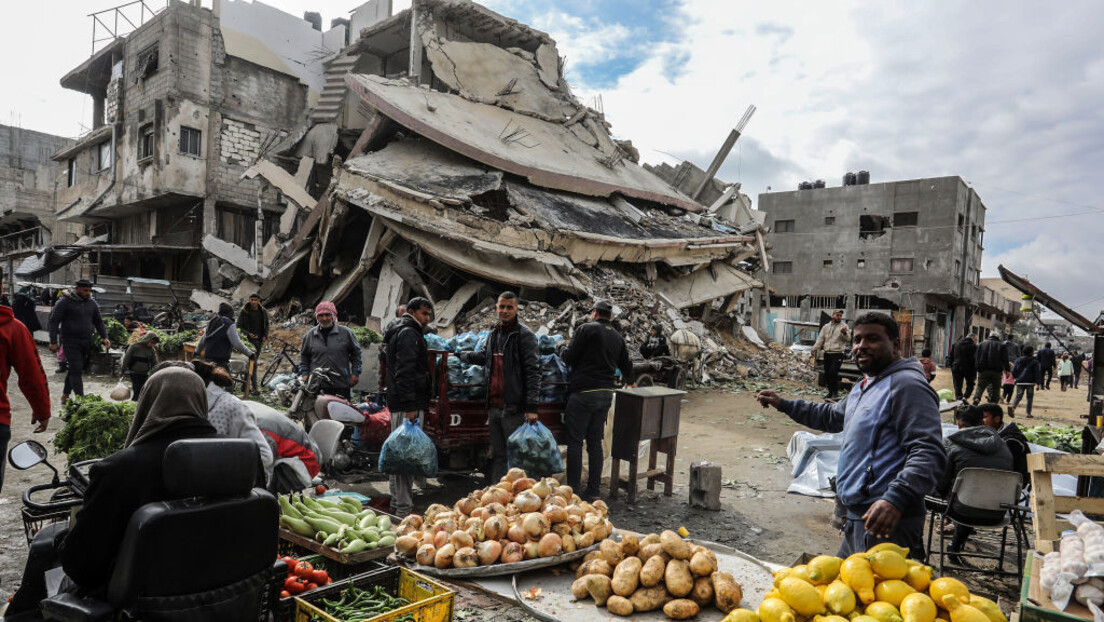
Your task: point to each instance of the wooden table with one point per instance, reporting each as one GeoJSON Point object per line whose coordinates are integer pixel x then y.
{"type": "Point", "coordinates": [645, 414]}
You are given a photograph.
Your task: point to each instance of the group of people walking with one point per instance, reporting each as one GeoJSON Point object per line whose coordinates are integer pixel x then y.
{"type": "Point", "coordinates": [1006, 372]}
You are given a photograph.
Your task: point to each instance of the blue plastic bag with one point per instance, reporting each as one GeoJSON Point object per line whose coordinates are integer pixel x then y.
{"type": "Point", "coordinates": [436, 342]}
{"type": "Point", "coordinates": [408, 451]}
{"type": "Point", "coordinates": [533, 449]}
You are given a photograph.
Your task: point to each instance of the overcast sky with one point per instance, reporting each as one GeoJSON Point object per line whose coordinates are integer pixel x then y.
{"type": "Point", "coordinates": [1005, 94]}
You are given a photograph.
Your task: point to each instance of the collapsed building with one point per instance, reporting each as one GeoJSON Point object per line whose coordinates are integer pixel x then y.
{"type": "Point", "coordinates": [439, 151]}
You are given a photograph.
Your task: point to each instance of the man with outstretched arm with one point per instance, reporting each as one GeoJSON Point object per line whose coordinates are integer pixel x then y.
{"type": "Point", "coordinates": [892, 452]}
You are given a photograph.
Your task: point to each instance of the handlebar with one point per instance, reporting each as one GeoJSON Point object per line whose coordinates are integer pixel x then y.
{"type": "Point", "coordinates": [62, 504]}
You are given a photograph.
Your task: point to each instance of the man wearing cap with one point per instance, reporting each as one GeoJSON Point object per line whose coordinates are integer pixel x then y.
{"type": "Point", "coordinates": [513, 375]}
{"type": "Point", "coordinates": [253, 320]}
{"type": "Point", "coordinates": [334, 347]}
{"type": "Point", "coordinates": [595, 353]}
{"type": "Point", "coordinates": [72, 322]}
{"type": "Point", "coordinates": [833, 340]}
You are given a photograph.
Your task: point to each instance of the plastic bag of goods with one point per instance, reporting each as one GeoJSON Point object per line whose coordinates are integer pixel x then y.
{"type": "Point", "coordinates": [685, 345]}
{"type": "Point", "coordinates": [121, 392]}
{"type": "Point", "coordinates": [436, 342]}
{"type": "Point", "coordinates": [408, 451]}
{"type": "Point", "coordinates": [533, 449]}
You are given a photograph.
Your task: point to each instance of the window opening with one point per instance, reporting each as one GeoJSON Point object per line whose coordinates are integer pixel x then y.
{"type": "Point", "coordinates": [871, 227]}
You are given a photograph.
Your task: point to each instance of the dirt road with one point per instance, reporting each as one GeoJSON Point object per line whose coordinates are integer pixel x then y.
{"type": "Point", "coordinates": [723, 426]}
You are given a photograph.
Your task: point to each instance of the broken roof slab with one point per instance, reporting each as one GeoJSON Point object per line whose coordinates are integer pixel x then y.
{"type": "Point", "coordinates": [715, 281]}
{"type": "Point", "coordinates": [547, 154]}
{"type": "Point", "coordinates": [425, 168]}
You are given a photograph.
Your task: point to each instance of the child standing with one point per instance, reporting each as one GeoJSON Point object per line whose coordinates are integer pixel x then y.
{"type": "Point", "coordinates": [140, 358]}
{"type": "Point", "coordinates": [1008, 385]}
{"type": "Point", "coordinates": [1065, 371]}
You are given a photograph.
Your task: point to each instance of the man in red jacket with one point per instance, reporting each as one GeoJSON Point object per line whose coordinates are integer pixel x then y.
{"type": "Point", "coordinates": [18, 350]}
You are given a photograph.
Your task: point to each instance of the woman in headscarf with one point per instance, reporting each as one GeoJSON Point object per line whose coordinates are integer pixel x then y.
{"type": "Point", "coordinates": [221, 337]}
{"type": "Point", "coordinates": [172, 407]}
{"type": "Point", "coordinates": [230, 416]}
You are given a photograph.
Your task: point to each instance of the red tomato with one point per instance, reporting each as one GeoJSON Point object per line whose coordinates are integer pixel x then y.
{"type": "Point", "coordinates": [311, 586]}
{"type": "Point", "coordinates": [290, 561]}
{"type": "Point", "coordinates": [304, 570]}
{"type": "Point", "coordinates": [295, 585]}
{"type": "Point", "coordinates": [320, 490]}
{"type": "Point", "coordinates": [285, 594]}
{"type": "Point", "coordinates": [320, 577]}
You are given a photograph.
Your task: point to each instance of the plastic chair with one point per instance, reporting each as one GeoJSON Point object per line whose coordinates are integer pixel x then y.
{"type": "Point", "coordinates": [984, 500]}
{"type": "Point", "coordinates": [327, 435]}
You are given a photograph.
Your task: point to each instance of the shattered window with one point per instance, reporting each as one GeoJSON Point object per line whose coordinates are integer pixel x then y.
{"type": "Point", "coordinates": [71, 177]}
{"type": "Point", "coordinates": [783, 226]}
{"type": "Point", "coordinates": [147, 62]}
{"type": "Point", "coordinates": [103, 160]}
{"type": "Point", "coordinates": [829, 220]}
{"type": "Point", "coordinates": [900, 264]}
{"type": "Point", "coordinates": [827, 264]}
{"type": "Point", "coordinates": [861, 263]}
{"type": "Point", "coordinates": [872, 226]}
{"type": "Point", "coordinates": [783, 267]}
{"type": "Point", "coordinates": [906, 219]}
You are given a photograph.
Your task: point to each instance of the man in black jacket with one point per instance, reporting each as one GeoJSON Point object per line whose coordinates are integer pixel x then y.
{"type": "Point", "coordinates": [253, 321]}
{"type": "Point", "coordinates": [72, 322]}
{"type": "Point", "coordinates": [963, 366]}
{"type": "Point", "coordinates": [408, 384]}
{"type": "Point", "coordinates": [593, 355]}
{"type": "Point", "coordinates": [1047, 360]}
{"type": "Point", "coordinates": [513, 377]}
{"type": "Point", "coordinates": [993, 416]}
{"type": "Point", "coordinates": [992, 361]}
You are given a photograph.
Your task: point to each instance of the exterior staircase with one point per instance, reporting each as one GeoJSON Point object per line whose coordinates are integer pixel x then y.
{"type": "Point", "coordinates": [332, 99]}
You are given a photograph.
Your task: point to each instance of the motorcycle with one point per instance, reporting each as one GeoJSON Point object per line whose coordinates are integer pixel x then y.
{"type": "Point", "coordinates": [362, 424]}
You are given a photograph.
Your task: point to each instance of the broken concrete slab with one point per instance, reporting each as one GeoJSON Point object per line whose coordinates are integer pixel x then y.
{"type": "Point", "coordinates": [206, 300]}
{"type": "Point", "coordinates": [277, 283]}
{"type": "Point", "coordinates": [245, 289]}
{"type": "Point", "coordinates": [303, 173]}
{"type": "Point", "coordinates": [282, 179]}
{"type": "Point", "coordinates": [271, 250]}
{"type": "Point", "coordinates": [232, 254]}
{"type": "Point", "coordinates": [428, 169]}
{"type": "Point", "coordinates": [213, 265]}
{"type": "Point", "coordinates": [704, 285]}
{"type": "Point", "coordinates": [548, 65]}
{"type": "Point", "coordinates": [389, 293]}
{"type": "Point", "coordinates": [445, 313]}
{"type": "Point", "coordinates": [752, 336]}
{"type": "Point", "coordinates": [546, 153]}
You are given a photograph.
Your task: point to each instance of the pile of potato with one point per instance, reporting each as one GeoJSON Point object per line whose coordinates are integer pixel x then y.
{"type": "Point", "coordinates": [519, 518]}
{"type": "Point", "coordinates": [637, 575]}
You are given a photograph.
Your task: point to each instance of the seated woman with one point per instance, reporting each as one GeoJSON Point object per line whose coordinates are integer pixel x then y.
{"type": "Point", "coordinates": [173, 406]}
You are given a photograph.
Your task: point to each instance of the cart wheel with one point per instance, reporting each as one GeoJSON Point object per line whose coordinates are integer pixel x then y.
{"type": "Point", "coordinates": [678, 379]}
{"type": "Point", "coordinates": [645, 380]}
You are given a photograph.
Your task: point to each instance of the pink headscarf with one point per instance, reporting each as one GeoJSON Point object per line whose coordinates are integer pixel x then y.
{"type": "Point", "coordinates": [325, 307]}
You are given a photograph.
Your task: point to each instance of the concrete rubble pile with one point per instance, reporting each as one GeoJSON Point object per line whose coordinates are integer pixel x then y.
{"type": "Point", "coordinates": [475, 169]}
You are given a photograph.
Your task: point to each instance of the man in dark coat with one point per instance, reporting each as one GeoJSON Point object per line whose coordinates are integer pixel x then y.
{"type": "Point", "coordinates": [974, 445]}
{"type": "Point", "coordinates": [408, 384]}
{"type": "Point", "coordinates": [221, 338]}
{"type": "Point", "coordinates": [513, 377]}
{"type": "Point", "coordinates": [24, 308]}
{"type": "Point", "coordinates": [334, 347]}
{"type": "Point", "coordinates": [992, 360]}
{"type": "Point", "coordinates": [963, 366]}
{"type": "Point", "coordinates": [74, 318]}
{"type": "Point", "coordinates": [1048, 359]}
{"type": "Point", "coordinates": [993, 416]}
{"type": "Point", "coordinates": [253, 321]}
{"type": "Point", "coordinates": [656, 343]}
{"type": "Point", "coordinates": [1028, 375]}
{"type": "Point", "coordinates": [595, 353]}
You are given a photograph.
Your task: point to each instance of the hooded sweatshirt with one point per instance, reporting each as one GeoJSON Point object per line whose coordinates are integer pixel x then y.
{"type": "Point", "coordinates": [977, 446]}
{"type": "Point", "coordinates": [892, 439]}
{"type": "Point", "coordinates": [18, 350]}
{"type": "Point", "coordinates": [1017, 444]}
{"type": "Point", "coordinates": [408, 379]}
{"type": "Point", "coordinates": [140, 356]}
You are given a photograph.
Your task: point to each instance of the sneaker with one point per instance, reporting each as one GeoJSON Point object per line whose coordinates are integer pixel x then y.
{"type": "Point", "coordinates": [1011, 412]}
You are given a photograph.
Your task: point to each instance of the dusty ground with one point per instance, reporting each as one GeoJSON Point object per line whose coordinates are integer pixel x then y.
{"type": "Point", "coordinates": [723, 426]}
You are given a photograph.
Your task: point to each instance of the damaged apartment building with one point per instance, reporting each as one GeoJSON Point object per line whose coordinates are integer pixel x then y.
{"type": "Point", "coordinates": [438, 151]}
{"type": "Point", "coordinates": [912, 248]}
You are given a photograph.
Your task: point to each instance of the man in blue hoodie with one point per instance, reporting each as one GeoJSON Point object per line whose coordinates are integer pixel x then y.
{"type": "Point", "coordinates": [892, 452]}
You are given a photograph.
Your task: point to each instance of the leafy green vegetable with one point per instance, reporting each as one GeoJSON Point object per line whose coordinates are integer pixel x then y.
{"type": "Point", "coordinates": [116, 332]}
{"type": "Point", "coordinates": [366, 336]}
{"type": "Point", "coordinates": [94, 427]}
{"type": "Point", "coordinates": [174, 343]}
{"type": "Point", "coordinates": [1065, 438]}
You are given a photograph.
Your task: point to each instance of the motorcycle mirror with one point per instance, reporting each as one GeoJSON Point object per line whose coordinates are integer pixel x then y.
{"type": "Point", "coordinates": [27, 454]}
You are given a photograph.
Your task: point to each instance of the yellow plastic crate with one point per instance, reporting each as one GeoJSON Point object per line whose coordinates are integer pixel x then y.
{"type": "Point", "coordinates": [429, 600]}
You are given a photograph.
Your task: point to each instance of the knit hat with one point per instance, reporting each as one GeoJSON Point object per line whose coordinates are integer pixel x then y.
{"type": "Point", "coordinates": [325, 307]}
{"type": "Point", "coordinates": [225, 310]}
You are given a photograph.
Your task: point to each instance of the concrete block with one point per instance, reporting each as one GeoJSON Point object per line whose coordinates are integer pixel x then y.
{"type": "Point", "coordinates": [705, 486]}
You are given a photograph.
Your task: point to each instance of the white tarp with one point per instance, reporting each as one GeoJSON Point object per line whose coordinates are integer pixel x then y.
{"type": "Point", "coordinates": [815, 458]}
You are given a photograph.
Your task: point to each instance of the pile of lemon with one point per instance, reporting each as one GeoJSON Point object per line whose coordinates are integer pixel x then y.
{"type": "Point", "coordinates": [880, 585]}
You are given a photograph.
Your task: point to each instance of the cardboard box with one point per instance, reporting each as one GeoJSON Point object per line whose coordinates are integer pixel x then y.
{"type": "Point", "coordinates": [1035, 605]}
